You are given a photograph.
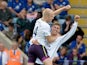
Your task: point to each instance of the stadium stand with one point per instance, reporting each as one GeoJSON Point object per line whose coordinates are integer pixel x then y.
{"type": "Point", "coordinates": [79, 7]}
{"type": "Point", "coordinates": [78, 3]}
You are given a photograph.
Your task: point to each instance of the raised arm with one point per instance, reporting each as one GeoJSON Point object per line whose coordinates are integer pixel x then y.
{"type": "Point", "coordinates": [72, 30]}
{"type": "Point", "coordinates": [65, 37]}
{"type": "Point", "coordinates": [56, 12]}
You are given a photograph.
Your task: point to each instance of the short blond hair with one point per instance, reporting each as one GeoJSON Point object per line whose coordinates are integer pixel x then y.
{"type": "Point", "coordinates": [55, 23]}
{"type": "Point", "coordinates": [47, 12]}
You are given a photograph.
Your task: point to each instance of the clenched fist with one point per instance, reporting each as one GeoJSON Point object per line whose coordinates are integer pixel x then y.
{"type": "Point", "coordinates": [77, 17]}
{"type": "Point", "coordinates": [67, 7]}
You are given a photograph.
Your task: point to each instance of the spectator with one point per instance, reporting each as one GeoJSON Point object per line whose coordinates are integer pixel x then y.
{"type": "Point", "coordinates": [31, 8]}
{"type": "Point", "coordinates": [3, 55]}
{"type": "Point", "coordinates": [80, 45]}
{"type": "Point", "coordinates": [5, 14]}
{"type": "Point", "coordinates": [67, 24]}
{"type": "Point", "coordinates": [10, 33]}
{"type": "Point", "coordinates": [16, 6]}
{"type": "Point", "coordinates": [15, 56]}
{"type": "Point", "coordinates": [22, 22]}
{"type": "Point", "coordinates": [39, 15]}
{"type": "Point", "coordinates": [59, 4]}
{"type": "Point", "coordinates": [61, 56]}
{"type": "Point", "coordinates": [48, 4]}
{"type": "Point", "coordinates": [74, 58]}
{"type": "Point", "coordinates": [79, 31]}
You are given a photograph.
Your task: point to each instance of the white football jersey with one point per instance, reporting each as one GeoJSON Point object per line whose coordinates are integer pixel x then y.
{"type": "Point", "coordinates": [41, 30]}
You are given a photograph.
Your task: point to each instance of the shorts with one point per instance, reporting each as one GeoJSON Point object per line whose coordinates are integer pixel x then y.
{"type": "Point", "coordinates": [37, 51]}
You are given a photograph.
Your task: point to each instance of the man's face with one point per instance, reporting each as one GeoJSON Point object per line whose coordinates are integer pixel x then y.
{"type": "Point", "coordinates": [74, 52]}
{"type": "Point", "coordinates": [3, 5]}
{"type": "Point", "coordinates": [11, 28]}
{"type": "Point", "coordinates": [50, 17]}
{"type": "Point", "coordinates": [63, 51]}
{"type": "Point", "coordinates": [55, 29]}
{"type": "Point", "coordinates": [79, 38]}
{"type": "Point", "coordinates": [14, 46]}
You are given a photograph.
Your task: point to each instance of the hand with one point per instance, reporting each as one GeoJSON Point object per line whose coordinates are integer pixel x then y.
{"type": "Point", "coordinates": [6, 23]}
{"type": "Point", "coordinates": [20, 39]}
{"type": "Point", "coordinates": [56, 6]}
{"type": "Point", "coordinates": [18, 15]}
{"type": "Point", "coordinates": [77, 17]}
{"type": "Point", "coordinates": [35, 42]}
{"type": "Point", "coordinates": [81, 42]}
{"type": "Point", "coordinates": [55, 59]}
{"type": "Point", "coordinates": [67, 7]}
{"type": "Point", "coordinates": [67, 23]}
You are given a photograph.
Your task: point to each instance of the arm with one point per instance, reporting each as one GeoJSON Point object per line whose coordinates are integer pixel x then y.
{"type": "Point", "coordinates": [72, 30]}
{"type": "Point", "coordinates": [65, 37]}
{"type": "Point", "coordinates": [67, 26]}
{"type": "Point", "coordinates": [83, 54]}
{"type": "Point", "coordinates": [13, 11]}
{"type": "Point", "coordinates": [52, 7]}
{"type": "Point", "coordinates": [70, 33]}
{"type": "Point", "coordinates": [56, 12]}
{"type": "Point", "coordinates": [51, 38]}
{"type": "Point", "coordinates": [7, 22]}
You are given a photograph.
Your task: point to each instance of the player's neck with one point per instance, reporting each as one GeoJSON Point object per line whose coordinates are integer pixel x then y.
{"type": "Point", "coordinates": [44, 19]}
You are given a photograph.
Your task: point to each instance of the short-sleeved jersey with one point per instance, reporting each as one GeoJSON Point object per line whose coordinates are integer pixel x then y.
{"type": "Point", "coordinates": [41, 30]}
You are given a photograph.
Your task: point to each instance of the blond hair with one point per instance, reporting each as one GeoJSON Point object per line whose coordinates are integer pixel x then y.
{"type": "Point", "coordinates": [47, 12]}
{"type": "Point", "coordinates": [56, 23]}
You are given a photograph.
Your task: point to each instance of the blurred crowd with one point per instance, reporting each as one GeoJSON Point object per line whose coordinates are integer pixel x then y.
{"type": "Point", "coordinates": [17, 20]}
{"type": "Point", "coordinates": [11, 56]}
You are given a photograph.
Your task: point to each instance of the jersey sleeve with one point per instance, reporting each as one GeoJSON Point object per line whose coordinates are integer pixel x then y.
{"type": "Point", "coordinates": [70, 33]}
